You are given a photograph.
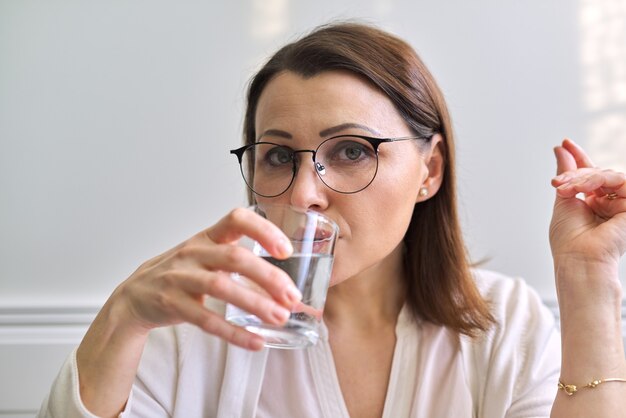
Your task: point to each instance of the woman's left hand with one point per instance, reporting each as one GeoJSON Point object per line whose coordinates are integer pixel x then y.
{"type": "Point", "coordinates": [588, 237]}
{"type": "Point", "coordinates": [592, 230]}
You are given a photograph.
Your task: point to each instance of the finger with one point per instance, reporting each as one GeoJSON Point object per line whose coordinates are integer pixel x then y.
{"type": "Point", "coordinates": [568, 176]}
{"type": "Point", "coordinates": [580, 156]}
{"type": "Point", "coordinates": [608, 182]}
{"type": "Point", "coordinates": [564, 160]}
{"type": "Point", "coordinates": [240, 222]}
{"type": "Point", "coordinates": [608, 209]}
{"type": "Point", "coordinates": [597, 182]}
{"type": "Point", "coordinates": [235, 259]}
{"type": "Point", "coordinates": [221, 286]}
{"type": "Point", "coordinates": [215, 324]}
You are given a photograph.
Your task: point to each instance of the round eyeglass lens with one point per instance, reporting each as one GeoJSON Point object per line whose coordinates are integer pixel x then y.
{"type": "Point", "coordinates": [268, 168]}
{"type": "Point", "coordinates": [346, 164]}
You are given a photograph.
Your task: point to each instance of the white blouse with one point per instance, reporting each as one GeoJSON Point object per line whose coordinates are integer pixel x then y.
{"type": "Point", "coordinates": [421, 373]}
{"type": "Point", "coordinates": [511, 371]}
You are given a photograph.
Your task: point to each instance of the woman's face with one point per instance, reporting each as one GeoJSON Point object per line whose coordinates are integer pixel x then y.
{"type": "Point", "coordinates": [301, 113]}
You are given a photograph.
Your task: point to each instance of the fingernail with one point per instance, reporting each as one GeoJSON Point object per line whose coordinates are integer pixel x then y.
{"type": "Point", "coordinates": [293, 294]}
{"type": "Point", "coordinates": [256, 343]}
{"type": "Point", "coordinates": [280, 314]}
{"type": "Point", "coordinates": [574, 142]}
{"type": "Point", "coordinates": [284, 246]}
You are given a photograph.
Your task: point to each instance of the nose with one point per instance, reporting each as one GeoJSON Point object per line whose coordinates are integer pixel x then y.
{"type": "Point", "coordinates": [307, 190]}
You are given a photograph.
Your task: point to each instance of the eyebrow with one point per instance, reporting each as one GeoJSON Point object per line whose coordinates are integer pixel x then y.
{"type": "Point", "coordinates": [276, 132]}
{"type": "Point", "coordinates": [344, 126]}
{"type": "Point", "coordinates": [326, 132]}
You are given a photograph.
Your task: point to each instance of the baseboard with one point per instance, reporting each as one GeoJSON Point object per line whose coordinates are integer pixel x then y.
{"type": "Point", "coordinates": [34, 342]}
{"type": "Point", "coordinates": [18, 414]}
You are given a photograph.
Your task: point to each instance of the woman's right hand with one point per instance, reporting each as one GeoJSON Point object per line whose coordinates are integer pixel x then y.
{"type": "Point", "coordinates": [171, 288]}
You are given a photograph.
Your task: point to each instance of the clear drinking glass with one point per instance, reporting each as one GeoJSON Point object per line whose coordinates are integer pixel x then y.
{"type": "Point", "coordinates": [313, 238]}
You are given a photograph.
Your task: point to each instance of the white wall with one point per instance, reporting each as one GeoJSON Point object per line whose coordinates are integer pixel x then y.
{"type": "Point", "coordinates": [116, 119]}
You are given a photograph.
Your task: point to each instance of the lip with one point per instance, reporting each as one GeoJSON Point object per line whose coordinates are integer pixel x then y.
{"type": "Point", "coordinates": [321, 238]}
{"type": "Point", "coordinates": [322, 232]}
{"type": "Point", "coordinates": [322, 235]}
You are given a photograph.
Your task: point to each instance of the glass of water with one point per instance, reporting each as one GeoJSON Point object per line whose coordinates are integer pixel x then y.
{"type": "Point", "coordinates": [313, 238]}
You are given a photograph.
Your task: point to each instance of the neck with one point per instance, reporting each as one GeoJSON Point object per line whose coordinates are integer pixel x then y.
{"type": "Point", "coordinates": [371, 299]}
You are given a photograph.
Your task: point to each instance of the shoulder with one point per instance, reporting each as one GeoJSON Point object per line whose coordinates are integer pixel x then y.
{"type": "Point", "coordinates": [511, 299]}
{"type": "Point", "coordinates": [496, 285]}
{"type": "Point", "coordinates": [514, 366]}
{"type": "Point", "coordinates": [521, 317]}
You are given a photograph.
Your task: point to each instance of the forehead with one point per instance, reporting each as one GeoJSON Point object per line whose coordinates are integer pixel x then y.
{"type": "Point", "coordinates": [292, 102]}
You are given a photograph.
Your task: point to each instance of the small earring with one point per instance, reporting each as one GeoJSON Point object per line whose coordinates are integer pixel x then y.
{"type": "Point", "coordinates": [423, 192]}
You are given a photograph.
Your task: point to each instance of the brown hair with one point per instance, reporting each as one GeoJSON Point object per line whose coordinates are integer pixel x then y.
{"type": "Point", "coordinates": [439, 282]}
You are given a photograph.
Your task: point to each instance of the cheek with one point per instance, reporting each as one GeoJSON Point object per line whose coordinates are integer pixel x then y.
{"type": "Point", "coordinates": [373, 236]}
{"type": "Point", "coordinates": [378, 217]}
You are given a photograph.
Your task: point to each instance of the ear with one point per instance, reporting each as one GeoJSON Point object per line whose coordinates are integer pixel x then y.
{"type": "Point", "coordinates": [434, 164]}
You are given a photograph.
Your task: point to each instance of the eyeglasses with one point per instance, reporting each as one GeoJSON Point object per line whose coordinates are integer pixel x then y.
{"type": "Point", "coordinates": [345, 163]}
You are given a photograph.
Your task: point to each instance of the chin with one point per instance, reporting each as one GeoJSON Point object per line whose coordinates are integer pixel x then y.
{"type": "Point", "coordinates": [334, 280]}
{"type": "Point", "coordinates": [337, 277]}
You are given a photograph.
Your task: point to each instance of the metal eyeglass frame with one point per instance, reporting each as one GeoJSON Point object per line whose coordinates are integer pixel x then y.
{"type": "Point", "coordinates": [374, 142]}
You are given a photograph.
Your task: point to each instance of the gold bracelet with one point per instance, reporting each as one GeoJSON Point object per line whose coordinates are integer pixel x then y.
{"type": "Point", "coordinates": [571, 389]}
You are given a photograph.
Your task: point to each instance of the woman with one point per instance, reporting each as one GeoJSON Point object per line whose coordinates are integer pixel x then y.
{"type": "Point", "coordinates": [409, 329]}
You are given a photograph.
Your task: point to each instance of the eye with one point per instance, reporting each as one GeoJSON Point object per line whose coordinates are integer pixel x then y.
{"type": "Point", "coordinates": [353, 151]}
{"type": "Point", "coordinates": [344, 150]}
{"type": "Point", "coordinates": [278, 156]}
